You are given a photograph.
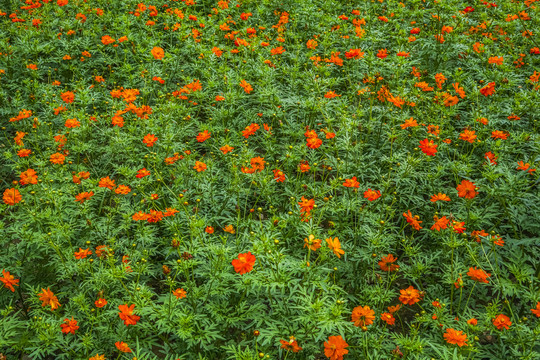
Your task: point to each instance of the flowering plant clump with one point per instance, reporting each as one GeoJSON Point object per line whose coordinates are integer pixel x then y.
{"type": "Point", "coordinates": [239, 179]}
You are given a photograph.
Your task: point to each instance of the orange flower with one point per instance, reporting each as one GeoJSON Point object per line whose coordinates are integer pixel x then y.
{"type": "Point", "coordinates": [69, 326]}
{"type": "Point", "coordinates": [388, 318]}
{"type": "Point", "coordinates": [502, 321]}
{"type": "Point", "coordinates": [415, 223]}
{"type": "Point", "coordinates": [335, 246]}
{"type": "Point", "coordinates": [439, 196]}
{"type": "Point", "coordinates": [279, 175]}
{"type": "Point", "coordinates": [455, 337]}
{"type": "Point", "coordinates": [122, 346]}
{"type": "Point", "coordinates": [428, 147]}
{"type": "Point", "coordinates": [489, 89]}
{"type": "Point", "coordinates": [466, 189]}
{"type": "Point", "coordinates": [28, 177]}
{"type": "Point", "coordinates": [68, 97]}
{"type": "Point", "coordinates": [393, 309]}
{"type": "Point", "coordinates": [57, 158]}
{"type": "Point", "coordinates": [478, 275]}
{"type": "Point", "coordinates": [229, 229]}
{"type": "Point", "coordinates": [226, 149]}
{"type": "Point", "coordinates": [409, 296]}
{"type": "Point", "coordinates": [472, 322]}
{"type": "Point", "coordinates": [496, 60]}
{"type": "Point", "coordinates": [440, 224]}
{"type": "Point", "coordinates": [203, 136]}
{"type": "Point", "coordinates": [312, 243]}
{"type": "Point", "coordinates": [334, 348]}
{"type": "Point", "coordinates": [82, 197]}
{"type": "Point", "coordinates": [292, 344]}
{"type": "Point", "coordinates": [409, 123]}
{"type": "Point", "coordinates": [107, 183]}
{"type": "Point", "coordinates": [48, 298]}
{"type": "Point", "coordinates": [247, 87]}
{"type": "Point", "coordinates": [8, 280]}
{"type": "Point", "coordinates": [209, 230]}
{"type": "Point", "coordinates": [142, 173]}
{"type": "Point", "coordinates": [351, 182]}
{"type": "Point", "coordinates": [24, 152]}
{"type": "Point", "coordinates": [534, 311]}
{"type": "Point", "coordinates": [372, 195]}
{"type": "Point", "coordinates": [313, 142]}
{"type": "Point", "coordinates": [12, 196]}
{"type": "Point", "coordinates": [497, 134]}
{"type": "Point", "coordinates": [97, 357]}
{"type": "Point", "coordinates": [72, 123]}
{"type": "Point", "coordinates": [179, 293]}
{"type": "Point", "coordinates": [382, 53]}
{"type": "Point", "coordinates": [244, 263]}
{"type": "Point", "coordinates": [158, 53]}
{"type": "Point", "coordinates": [122, 189]}
{"type": "Point", "coordinates": [306, 205]}
{"type": "Point", "coordinates": [199, 166]}
{"type": "Point", "coordinates": [311, 44]}
{"type": "Point", "coordinates": [468, 135]}
{"type": "Point", "coordinates": [387, 263]}
{"type": "Point", "coordinates": [149, 140]}
{"type": "Point", "coordinates": [363, 316]}
{"type": "Point", "coordinates": [81, 254]}
{"type": "Point", "coordinates": [126, 314]}
{"type": "Point", "coordinates": [100, 303]}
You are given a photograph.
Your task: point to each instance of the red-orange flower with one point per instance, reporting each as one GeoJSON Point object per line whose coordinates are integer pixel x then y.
{"type": "Point", "coordinates": [334, 348]}
{"type": "Point", "coordinates": [158, 53]}
{"type": "Point", "coordinates": [388, 318]}
{"type": "Point", "coordinates": [502, 321]}
{"type": "Point", "coordinates": [387, 263]}
{"type": "Point", "coordinates": [126, 314]}
{"type": "Point", "coordinates": [428, 147]}
{"type": "Point", "coordinates": [68, 97]}
{"type": "Point", "coordinates": [226, 149]}
{"type": "Point", "coordinates": [69, 326]}
{"type": "Point", "coordinates": [122, 346]}
{"type": "Point", "coordinates": [57, 158]}
{"type": "Point", "coordinates": [478, 275]}
{"type": "Point", "coordinates": [203, 136]}
{"type": "Point", "coordinates": [48, 298]}
{"type": "Point", "coordinates": [409, 296]}
{"type": "Point", "coordinates": [489, 89]}
{"type": "Point", "coordinates": [12, 196]}
{"type": "Point", "coordinates": [179, 293]}
{"type": "Point", "coordinates": [534, 311]}
{"type": "Point", "coordinates": [312, 243]}
{"type": "Point", "coordinates": [199, 166]}
{"type": "Point", "coordinates": [455, 337]}
{"type": "Point", "coordinates": [82, 197]}
{"type": "Point", "coordinates": [149, 140]}
{"type": "Point", "coordinates": [291, 345]}
{"type": "Point", "coordinates": [246, 86]}
{"type": "Point", "coordinates": [8, 280]}
{"type": "Point", "coordinates": [372, 195]}
{"type": "Point", "coordinates": [439, 197]}
{"type": "Point", "coordinates": [415, 223]}
{"type": "Point", "coordinates": [100, 302]}
{"type": "Point", "coordinates": [466, 189]}
{"type": "Point", "coordinates": [107, 183]}
{"type": "Point", "coordinates": [244, 263]}
{"type": "Point", "coordinates": [351, 182]}
{"type": "Point", "coordinates": [363, 316]}
{"type": "Point", "coordinates": [81, 254]}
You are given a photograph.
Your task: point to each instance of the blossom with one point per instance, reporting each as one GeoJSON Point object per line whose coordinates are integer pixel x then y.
{"type": "Point", "coordinates": [312, 243]}
{"type": "Point", "coordinates": [229, 229]}
{"type": "Point", "coordinates": [250, 130]}
{"type": "Point", "coordinates": [502, 321]}
{"type": "Point", "coordinates": [142, 173]}
{"type": "Point", "coordinates": [279, 176]}
{"type": "Point", "coordinates": [123, 189]}
{"type": "Point", "coordinates": [244, 263]}
{"type": "Point", "coordinates": [107, 183]}
{"type": "Point", "coordinates": [81, 254]}
{"type": "Point", "coordinates": [306, 205]}
{"type": "Point", "coordinates": [388, 318]}
{"type": "Point", "coordinates": [382, 53]}
{"type": "Point", "coordinates": [149, 140]}
{"type": "Point", "coordinates": [82, 197]}
{"type": "Point", "coordinates": [351, 182]}
{"type": "Point", "coordinates": [466, 189]}
{"type": "Point", "coordinates": [472, 322]}
{"type": "Point", "coordinates": [126, 314]}
{"type": "Point", "coordinates": [246, 86]}
{"type": "Point", "coordinates": [68, 97]}
{"type": "Point", "coordinates": [48, 298]}
{"type": "Point", "coordinates": [57, 158]}
{"type": "Point", "coordinates": [69, 326]}
{"type": "Point", "coordinates": [489, 89]}
{"type": "Point", "coordinates": [478, 275]}
{"type": "Point", "coordinates": [179, 293]}
{"type": "Point", "coordinates": [468, 135]}
{"type": "Point", "coordinates": [409, 123]}
{"type": "Point", "coordinates": [440, 223]}
{"type": "Point", "coordinates": [415, 223]}
{"type": "Point", "coordinates": [455, 337]}
{"type": "Point", "coordinates": [387, 263]}
{"type": "Point", "coordinates": [100, 302]}
{"type": "Point", "coordinates": [203, 136]}
{"type": "Point", "coordinates": [439, 197]}
{"type": "Point", "coordinates": [372, 195]}
{"type": "Point", "coordinates": [292, 344]}
{"type": "Point", "coordinates": [72, 123]}
{"type": "Point", "coordinates": [8, 280]}
{"type": "Point", "coordinates": [409, 296]}
{"type": "Point", "coordinates": [428, 147]}
{"type": "Point", "coordinates": [226, 149]}
{"type": "Point", "coordinates": [97, 357]}
{"type": "Point", "coordinates": [334, 348]}
{"type": "Point", "coordinates": [122, 346]}
{"type": "Point", "coordinates": [497, 134]}
{"type": "Point", "coordinates": [157, 53]}
{"type": "Point", "coordinates": [335, 246]}
{"type": "Point", "coordinates": [534, 311]}
{"type": "Point", "coordinates": [12, 196]}
{"type": "Point", "coordinates": [363, 316]}
{"type": "Point", "coordinates": [209, 230]}
{"type": "Point", "coordinates": [199, 166]}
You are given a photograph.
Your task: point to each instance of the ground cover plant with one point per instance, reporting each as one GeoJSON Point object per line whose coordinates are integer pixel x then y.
{"type": "Point", "coordinates": [204, 179]}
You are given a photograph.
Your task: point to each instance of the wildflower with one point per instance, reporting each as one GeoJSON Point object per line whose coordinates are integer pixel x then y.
{"type": "Point", "coordinates": [291, 345]}
{"type": "Point", "coordinates": [246, 86]}
{"type": "Point", "coordinates": [331, 95]}
{"type": "Point", "coordinates": [388, 318]}
{"type": "Point", "coordinates": [498, 60]}
{"type": "Point", "coordinates": [306, 205]}
{"type": "Point", "coordinates": [126, 314]}
{"type": "Point", "coordinates": [382, 53]}
{"type": "Point", "coordinates": [122, 346]}
{"type": "Point", "coordinates": [311, 44]}
{"type": "Point", "coordinates": [363, 316]}
{"type": "Point", "coordinates": [226, 149]}
{"type": "Point", "coordinates": [502, 321]}
{"type": "Point", "coordinates": [439, 197]}
{"type": "Point", "coordinates": [72, 123]}
{"type": "Point", "coordinates": [372, 195]}
{"type": "Point", "coordinates": [409, 123]}
{"type": "Point", "coordinates": [428, 147]}
{"type": "Point", "coordinates": [24, 152]}
{"type": "Point", "coordinates": [106, 183]}
{"type": "Point", "coordinates": [279, 176]}
{"type": "Point", "coordinates": [149, 140]}
{"type": "Point", "coordinates": [394, 309]}
{"type": "Point", "coordinates": [468, 135]}
{"type": "Point", "coordinates": [123, 189]}
{"type": "Point", "coordinates": [472, 322]}
{"type": "Point", "coordinates": [179, 293]}
{"type": "Point", "coordinates": [478, 275]}
{"type": "Point", "coordinates": [335, 246]}
{"type": "Point", "coordinates": [459, 282]}
{"type": "Point", "coordinates": [304, 166]}
{"type": "Point", "coordinates": [97, 357]}
{"type": "Point", "coordinates": [209, 230]}
{"type": "Point", "coordinates": [82, 197]}
{"type": "Point", "coordinates": [440, 224]}
{"type": "Point", "coordinates": [48, 298]}
{"type": "Point", "coordinates": [489, 89]}
{"type": "Point", "coordinates": [440, 79]}
{"type": "Point", "coordinates": [244, 263]}
{"type": "Point", "coordinates": [458, 226]}
{"type": "Point", "coordinates": [534, 311]}
{"type": "Point", "coordinates": [100, 302]}
{"type": "Point", "coordinates": [203, 136]}
{"type": "Point", "coordinates": [415, 223]}
{"type": "Point", "coordinates": [68, 97]}
{"type": "Point", "coordinates": [199, 166]}
{"type": "Point", "coordinates": [69, 326]}
{"type": "Point", "coordinates": [354, 54]}
{"type": "Point", "coordinates": [250, 130]}
{"type": "Point", "coordinates": [351, 182]}
{"type": "Point", "coordinates": [497, 134]}
{"type": "Point", "coordinates": [387, 263]}
{"type": "Point", "coordinates": [8, 280]}
{"type": "Point", "coordinates": [455, 337]}
{"type": "Point", "coordinates": [312, 243]}
{"type": "Point", "coordinates": [57, 158]}
{"type": "Point", "coordinates": [466, 189]}
{"type": "Point", "coordinates": [12, 196]}
{"type": "Point", "coordinates": [81, 254]}
{"type": "Point", "coordinates": [409, 296]}
{"type": "Point", "coordinates": [142, 173]}
{"type": "Point", "coordinates": [229, 229]}
{"type": "Point", "coordinates": [313, 142]}
{"type": "Point", "coordinates": [28, 177]}
{"type": "Point", "coordinates": [492, 158]}
{"type": "Point", "coordinates": [334, 348]}
{"type": "Point", "coordinates": [158, 53]}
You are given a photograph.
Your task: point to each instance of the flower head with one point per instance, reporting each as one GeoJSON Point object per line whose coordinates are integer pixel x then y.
{"type": "Point", "coordinates": [334, 348]}
{"type": "Point", "coordinates": [455, 337]}
{"type": "Point", "coordinates": [363, 316]}
{"type": "Point", "coordinates": [244, 263]}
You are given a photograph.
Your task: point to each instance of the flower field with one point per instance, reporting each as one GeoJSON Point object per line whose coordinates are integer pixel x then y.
{"type": "Point", "coordinates": [241, 179]}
